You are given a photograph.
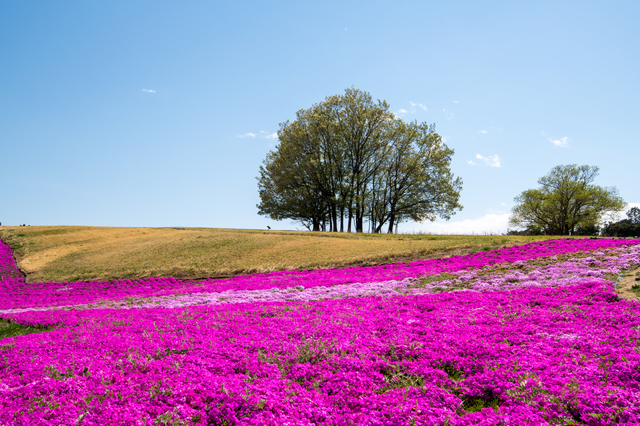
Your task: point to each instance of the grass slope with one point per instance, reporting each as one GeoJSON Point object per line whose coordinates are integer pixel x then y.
{"type": "Point", "coordinates": [73, 253]}
{"type": "Point", "coordinates": [10, 329]}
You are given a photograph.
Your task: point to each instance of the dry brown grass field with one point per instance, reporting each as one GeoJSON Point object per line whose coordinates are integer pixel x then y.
{"type": "Point", "coordinates": [73, 253]}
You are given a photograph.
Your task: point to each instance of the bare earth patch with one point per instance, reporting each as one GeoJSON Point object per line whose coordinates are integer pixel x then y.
{"type": "Point", "coordinates": [624, 288]}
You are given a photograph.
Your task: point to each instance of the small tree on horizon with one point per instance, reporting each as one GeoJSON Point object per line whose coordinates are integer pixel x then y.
{"type": "Point", "coordinates": [567, 202]}
{"type": "Point", "coordinates": [629, 227]}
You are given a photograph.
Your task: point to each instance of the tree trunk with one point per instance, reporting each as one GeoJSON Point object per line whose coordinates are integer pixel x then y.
{"type": "Point", "coordinates": [359, 213]}
{"type": "Point", "coordinates": [391, 222]}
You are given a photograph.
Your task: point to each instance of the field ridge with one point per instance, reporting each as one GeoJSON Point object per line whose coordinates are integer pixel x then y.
{"type": "Point", "coordinates": [72, 253]}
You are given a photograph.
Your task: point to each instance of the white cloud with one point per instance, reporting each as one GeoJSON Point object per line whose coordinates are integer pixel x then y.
{"type": "Point", "coordinates": [631, 205]}
{"type": "Point", "coordinates": [471, 162]}
{"type": "Point", "coordinates": [262, 134]}
{"type": "Point", "coordinates": [268, 135]}
{"type": "Point", "coordinates": [557, 142]}
{"type": "Point", "coordinates": [482, 131]}
{"type": "Point", "coordinates": [413, 104]}
{"type": "Point", "coordinates": [455, 102]}
{"type": "Point", "coordinates": [491, 160]}
{"type": "Point", "coordinates": [560, 142]}
{"type": "Point", "coordinates": [491, 223]}
{"type": "Point", "coordinates": [149, 90]}
{"type": "Point", "coordinates": [411, 110]}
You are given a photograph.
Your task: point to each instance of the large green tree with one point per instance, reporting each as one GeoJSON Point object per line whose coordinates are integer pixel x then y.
{"type": "Point", "coordinates": [566, 201]}
{"type": "Point", "coordinates": [348, 158]}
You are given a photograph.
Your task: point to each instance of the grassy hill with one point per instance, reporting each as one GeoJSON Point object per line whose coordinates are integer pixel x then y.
{"type": "Point", "coordinates": [73, 253]}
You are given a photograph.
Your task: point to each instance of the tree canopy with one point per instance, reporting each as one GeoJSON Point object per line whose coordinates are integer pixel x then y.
{"type": "Point", "coordinates": [349, 158]}
{"type": "Point", "coordinates": [567, 202]}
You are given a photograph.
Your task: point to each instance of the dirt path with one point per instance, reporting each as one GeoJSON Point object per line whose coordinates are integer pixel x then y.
{"type": "Point", "coordinates": [623, 288]}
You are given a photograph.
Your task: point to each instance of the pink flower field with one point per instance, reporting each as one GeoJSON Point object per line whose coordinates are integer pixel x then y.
{"type": "Point", "coordinates": [528, 335]}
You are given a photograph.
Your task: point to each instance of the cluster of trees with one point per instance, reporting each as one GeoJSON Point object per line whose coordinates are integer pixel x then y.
{"type": "Point", "coordinates": [567, 203]}
{"type": "Point", "coordinates": [349, 159]}
{"type": "Point", "coordinates": [629, 227]}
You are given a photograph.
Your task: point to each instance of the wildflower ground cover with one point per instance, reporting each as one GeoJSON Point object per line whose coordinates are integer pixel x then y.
{"type": "Point", "coordinates": [532, 334]}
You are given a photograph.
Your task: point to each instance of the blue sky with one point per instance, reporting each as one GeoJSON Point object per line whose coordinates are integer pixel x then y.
{"type": "Point", "coordinates": [151, 113]}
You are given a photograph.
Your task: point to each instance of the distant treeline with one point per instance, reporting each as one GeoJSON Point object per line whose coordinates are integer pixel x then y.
{"type": "Point", "coordinates": [629, 227]}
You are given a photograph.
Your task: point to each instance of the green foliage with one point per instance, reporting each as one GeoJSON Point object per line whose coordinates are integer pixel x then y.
{"type": "Point", "coordinates": [624, 228]}
{"type": "Point", "coordinates": [9, 328]}
{"type": "Point", "coordinates": [395, 378]}
{"type": "Point", "coordinates": [55, 374]}
{"type": "Point", "coordinates": [531, 230]}
{"type": "Point", "coordinates": [15, 246]}
{"type": "Point", "coordinates": [349, 157]}
{"type": "Point", "coordinates": [479, 249]}
{"type": "Point", "coordinates": [567, 203]}
{"type": "Point", "coordinates": [433, 278]}
{"type": "Point", "coordinates": [473, 404]}
{"type": "Point", "coordinates": [588, 229]}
